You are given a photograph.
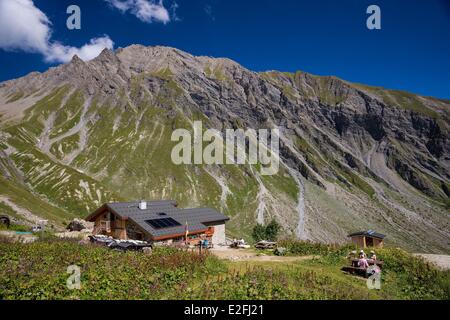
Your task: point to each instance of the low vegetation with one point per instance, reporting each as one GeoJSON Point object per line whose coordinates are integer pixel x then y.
{"type": "Point", "coordinates": [267, 232]}
{"type": "Point", "coordinates": [306, 248]}
{"type": "Point", "coordinates": [404, 276]}
{"type": "Point", "coordinates": [39, 271]}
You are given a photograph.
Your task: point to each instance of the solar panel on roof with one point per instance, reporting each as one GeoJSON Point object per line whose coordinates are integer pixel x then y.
{"type": "Point", "coordinates": [163, 223]}
{"type": "Point", "coordinates": [155, 224]}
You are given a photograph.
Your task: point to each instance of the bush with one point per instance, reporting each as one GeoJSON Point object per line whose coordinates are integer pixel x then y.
{"type": "Point", "coordinates": [259, 232]}
{"type": "Point", "coordinates": [417, 278]}
{"type": "Point", "coordinates": [272, 230]}
{"type": "Point", "coordinates": [307, 248]}
{"type": "Point", "coordinates": [268, 232]}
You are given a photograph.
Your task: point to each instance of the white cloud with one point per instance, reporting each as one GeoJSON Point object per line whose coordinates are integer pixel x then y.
{"type": "Point", "coordinates": [58, 52]}
{"type": "Point", "coordinates": [24, 27]}
{"type": "Point", "coordinates": [145, 10]}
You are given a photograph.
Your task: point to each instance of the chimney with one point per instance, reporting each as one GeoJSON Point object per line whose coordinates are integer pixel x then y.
{"type": "Point", "coordinates": [142, 205]}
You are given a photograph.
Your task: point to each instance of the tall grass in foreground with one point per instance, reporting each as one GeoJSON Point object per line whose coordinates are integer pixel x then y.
{"type": "Point", "coordinates": [39, 271]}
{"type": "Point", "coordinates": [412, 276]}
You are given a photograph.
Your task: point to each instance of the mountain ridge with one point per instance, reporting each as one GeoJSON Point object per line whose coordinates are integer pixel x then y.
{"type": "Point", "coordinates": [353, 156]}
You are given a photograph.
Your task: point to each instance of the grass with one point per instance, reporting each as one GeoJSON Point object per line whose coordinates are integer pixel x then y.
{"type": "Point", "coordinates": [39, 271]}
{"type": "Point", "coordinates": [23, 197]}
{"type": "Point", "coordinates": [401, 99]}
{"type": "Point", "coordinates": [65, 146]}
{"type": "Point", "coordinates": [404, 276]}
{"type": "Point", "coordinates": [15, 227]}
{"type": "Point", "coordinates": [216, 73]}
{"type": "Point", "coordinates": [69, 115]}
{"type": "Point", "coordinates": [354, 179]}
{"type": "Point", "coordinates": [7, 210]}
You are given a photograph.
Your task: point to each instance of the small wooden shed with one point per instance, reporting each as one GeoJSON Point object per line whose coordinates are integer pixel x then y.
{"type": "Point", "coordinates": [367, 238]}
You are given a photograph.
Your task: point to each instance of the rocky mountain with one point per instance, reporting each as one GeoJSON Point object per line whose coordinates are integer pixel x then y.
{"type": "Point", "coordinates": [352, 156]}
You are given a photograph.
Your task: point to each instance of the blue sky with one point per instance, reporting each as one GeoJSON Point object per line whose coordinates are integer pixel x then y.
{"type": "Point", "coordinates": [326, 37]}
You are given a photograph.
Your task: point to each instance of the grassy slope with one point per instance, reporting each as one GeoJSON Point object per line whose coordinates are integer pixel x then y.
{"type": "Point", "coordinates": [127, 156]}
{"type": "Point", "coordinates": [24, 198]}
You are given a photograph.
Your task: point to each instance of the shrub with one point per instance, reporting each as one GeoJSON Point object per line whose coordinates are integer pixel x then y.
{"type": "Point", "coordinates": [268, 232]}
{"type": "Point", "coordinates": [418, 279]}
{"type": "Point", "coordinates": [272, 230]}
{"type": "Point", "coordinates": [259, 232]}
{"type": "Point", "coordinates": [306, 248]}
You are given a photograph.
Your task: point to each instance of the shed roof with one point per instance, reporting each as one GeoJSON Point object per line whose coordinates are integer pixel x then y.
{"type": "Point", "coordinates": [367, 233]}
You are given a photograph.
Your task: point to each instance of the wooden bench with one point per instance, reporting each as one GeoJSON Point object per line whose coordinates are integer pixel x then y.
{"type": "Point", "coordinates": [355, 270]}
{"type": "Point", "coordinates": [371, 262]}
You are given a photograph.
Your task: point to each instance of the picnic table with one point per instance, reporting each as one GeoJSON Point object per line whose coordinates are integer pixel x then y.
{"type": "Point", "coordinates": [355, 269]}
{"type": "Point", "coordinates": [371, 262]}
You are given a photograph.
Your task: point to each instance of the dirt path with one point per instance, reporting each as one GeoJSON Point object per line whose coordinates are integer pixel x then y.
{"type": "Point", "coordinates": [442, 261]}
{"type": "Point", "coordinates": [250, 255]}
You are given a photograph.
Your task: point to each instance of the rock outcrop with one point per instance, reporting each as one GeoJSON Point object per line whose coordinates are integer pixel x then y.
{"type": "Point", "coordinates": [80, 225]}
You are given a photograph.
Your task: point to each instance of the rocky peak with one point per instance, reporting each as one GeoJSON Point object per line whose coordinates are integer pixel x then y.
{"type": "Point", "coordinates": [106, 56]}
{"type": "Point", "coordinates": [76, 60]}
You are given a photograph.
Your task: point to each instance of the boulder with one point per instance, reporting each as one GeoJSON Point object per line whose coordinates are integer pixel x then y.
{"type": "Point", "coordinates": [79, 225]}
{"type": "Point", "coordinates": [280, 251]}
{"type": "Point", "coordinates": [4, 220]}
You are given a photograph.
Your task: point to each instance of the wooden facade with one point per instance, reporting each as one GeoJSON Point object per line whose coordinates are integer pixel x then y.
{"type": "Point", "coordinates": [109, 224]}
{"type": "Point", "coordinates": [158, 221]}
{"type": "Point", "coordinates": [364, 241]}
